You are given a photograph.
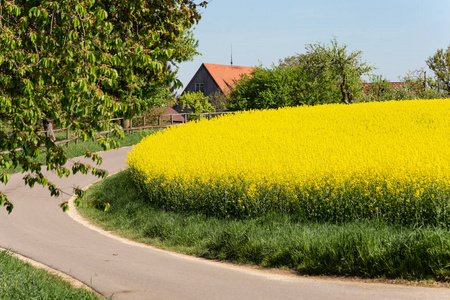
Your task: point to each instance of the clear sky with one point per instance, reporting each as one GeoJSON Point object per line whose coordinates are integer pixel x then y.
{"type": "Point", "coordinates": [395, 36]}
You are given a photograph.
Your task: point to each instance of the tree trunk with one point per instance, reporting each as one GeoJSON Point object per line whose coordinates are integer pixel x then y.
{"type": "Point", "coordinates": [342, 85]}
{"type": "Point", "coordinates": [343, 94]}
{"type": "Point", "coordinates": [48, 127]}
{"type": "Point", "coordinates": [126, 123]}
{"type": "Point", "coordinates": [350, 98]}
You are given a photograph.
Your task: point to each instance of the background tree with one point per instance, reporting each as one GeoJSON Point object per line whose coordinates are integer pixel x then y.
{"type": "Point", "coordinates": [439, 63]}
{"type": "Point", "coordinates": [340, 67]}
{"type": "Point", "coordinates": [218, 100]}
{"type": "Point", "coordinates": [78, 63]}
{"type": "Point", "coordinates": [320, 84]}
{"type": "Point", "coordinates": [378, 89]}
{"type": "Point", "coordinates": [196, 103]}
{"type": "Point", "coordinates": [325, 74]}
{"type": "Point", "coordinates": [414, 85]}
{"type": "Point", "coordinates": [267, 88]}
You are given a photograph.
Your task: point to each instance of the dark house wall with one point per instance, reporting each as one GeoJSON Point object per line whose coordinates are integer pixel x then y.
{"type": "Point", "coordinates": [203, 77]}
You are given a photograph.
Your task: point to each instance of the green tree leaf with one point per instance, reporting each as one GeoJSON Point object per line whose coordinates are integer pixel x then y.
{"type": "Point", "coordinates": [78, 65]}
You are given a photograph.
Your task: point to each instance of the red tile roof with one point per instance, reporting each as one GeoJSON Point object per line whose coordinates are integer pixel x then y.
{"type": "Point", "coordinates": [176, 116]}
{"type": "Point", "coordinates": [226, 75]}
{"type": "Point", "coordinates": [368, 85]}
{"type": "Point", "coordinates": [166, 111]}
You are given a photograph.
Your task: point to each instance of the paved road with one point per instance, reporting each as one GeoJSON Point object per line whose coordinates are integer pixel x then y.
{"type": "Point", "coordinates": [38, 229]}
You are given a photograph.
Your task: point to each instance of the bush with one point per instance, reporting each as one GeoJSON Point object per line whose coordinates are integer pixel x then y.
{"type": "Point", "coordinates": [412, 86]}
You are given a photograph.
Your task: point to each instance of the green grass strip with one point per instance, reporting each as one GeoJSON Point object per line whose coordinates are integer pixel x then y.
{"type": "Point", "coordinates": [364, 248]}
{"type": "Point", "coordinates": [19, 280]}
{"type": "Point", "coordinates": [78, 149]}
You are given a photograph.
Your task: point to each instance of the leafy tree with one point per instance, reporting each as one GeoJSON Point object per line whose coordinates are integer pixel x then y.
{"type": "Point", "coordinates": [338, 67]}
{"type": "Point", "coordinates": [218, 100]}
{"type": "Point", "coordinates": [267, 88]}
{"type": "Point", "coordinates": [379, 89]}
{"type": "Point", "coordinates": [78, 63]}
{"type": "Point", "coordinates": [321, 86]}
{"type": "Point", "coordinates": [195, 102]}
{"type": "Point", "coordinates": [414, 85]}
{"type": "Point", "coordinates": [325, 74]}
{"type": "Point", "coordinates": [439, 63]}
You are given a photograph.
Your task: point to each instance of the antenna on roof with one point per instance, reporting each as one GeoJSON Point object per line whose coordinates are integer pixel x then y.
{"type": "Point", "coordinates": [231, 54]}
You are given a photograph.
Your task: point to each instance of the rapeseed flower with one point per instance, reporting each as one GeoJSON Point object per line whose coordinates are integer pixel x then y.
{"type": "Point", "coordinates": [322, 162]}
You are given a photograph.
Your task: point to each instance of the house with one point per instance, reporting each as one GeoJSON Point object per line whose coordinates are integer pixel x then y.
{"type": "Point", "coordinates": [170, 115]}
{"type": "Point", "coordinates": [167, 114]}
{"type": "Point", "coordinates": [211, 78]}
{"type": "Point", "coordinates": [380, 87]}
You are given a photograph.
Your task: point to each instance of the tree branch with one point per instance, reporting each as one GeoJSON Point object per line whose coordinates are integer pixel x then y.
{"type": "Point", "coordinates": [51, 22]}
{"type": "Point", "coordinates": [37, 52]}
{"type": "Point", "coordinates": [84, 43]}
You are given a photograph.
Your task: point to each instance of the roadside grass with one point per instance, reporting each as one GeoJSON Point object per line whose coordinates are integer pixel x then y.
{"type": "Point", "coordinates": [363, 248]}
{"type": "Point", "coordinates": [78, 149]}
{"type": "Point", "coordinates": [19, 280]}
{"type": "Point", "coordinates": [74, 150]}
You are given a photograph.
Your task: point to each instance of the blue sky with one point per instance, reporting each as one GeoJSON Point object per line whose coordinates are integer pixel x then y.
{"type": "Point", "coordinates": [395, 36]}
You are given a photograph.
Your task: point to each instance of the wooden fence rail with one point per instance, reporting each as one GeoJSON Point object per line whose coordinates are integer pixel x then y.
{"type": "Point", "coordinates": [139, 123]}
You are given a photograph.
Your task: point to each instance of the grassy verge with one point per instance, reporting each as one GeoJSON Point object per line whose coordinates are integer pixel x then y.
{"type": "Point", "coordinates": [78, 149]}
{"type": "Point", "coordinates": [19, 280]}
{"type": "Point", "coordinates": [365, 248]}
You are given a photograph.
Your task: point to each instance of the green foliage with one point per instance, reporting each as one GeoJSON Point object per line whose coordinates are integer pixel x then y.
{"type": "Point", "coordinates": [379, 89]}
{"type": "Point", "coordinates": [218, 100]}
{"type": "Point", "coordinates": [74, 149]}
{"type": "Point", "coordinates": [19, 281]}
{"type": "Point", "coordinates": [78, 64]}
{"type": "Point", "coordinates": [153, 94]}
{"type": "Point", "coordinates": [196, 102]}
{"type": "Point", "coordinates": [339, 67]}
{"type": "Point", "coordinates": [439, 63]}
{"type": "Point", "coordinates": [268, 88]}
{"type": "Point", "coordinates": [325, 74]}
{"type": "Point", "coordinates": [413, 85]}
{"type": "Point", "coordinates": [354, 248]}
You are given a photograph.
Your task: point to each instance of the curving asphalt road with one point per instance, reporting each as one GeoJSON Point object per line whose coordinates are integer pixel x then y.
{"type": "Point", "coordinates": [38, 229]}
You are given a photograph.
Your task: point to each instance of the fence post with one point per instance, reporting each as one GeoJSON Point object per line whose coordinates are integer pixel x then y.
{"type": "Point", "coordinates": [125, 124]}
{"type": "Point", "coordinates": [171, 119]}
{"type": "Point", "coordinates": [159, 120]}
{"type": "Point", "coordinates": [143, 121]}
{"type": "Point", "coordinates": [67, 136]}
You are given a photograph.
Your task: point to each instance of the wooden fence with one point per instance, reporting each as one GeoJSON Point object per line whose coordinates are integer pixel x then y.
{"type": "Point", "coordinates": [143, 122]}
{"type": "Point", "coordinates": [165, 120]}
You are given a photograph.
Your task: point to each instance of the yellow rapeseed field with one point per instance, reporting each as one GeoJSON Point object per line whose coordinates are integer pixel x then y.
{"type": "Point", "coordinates": [334, 162]}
